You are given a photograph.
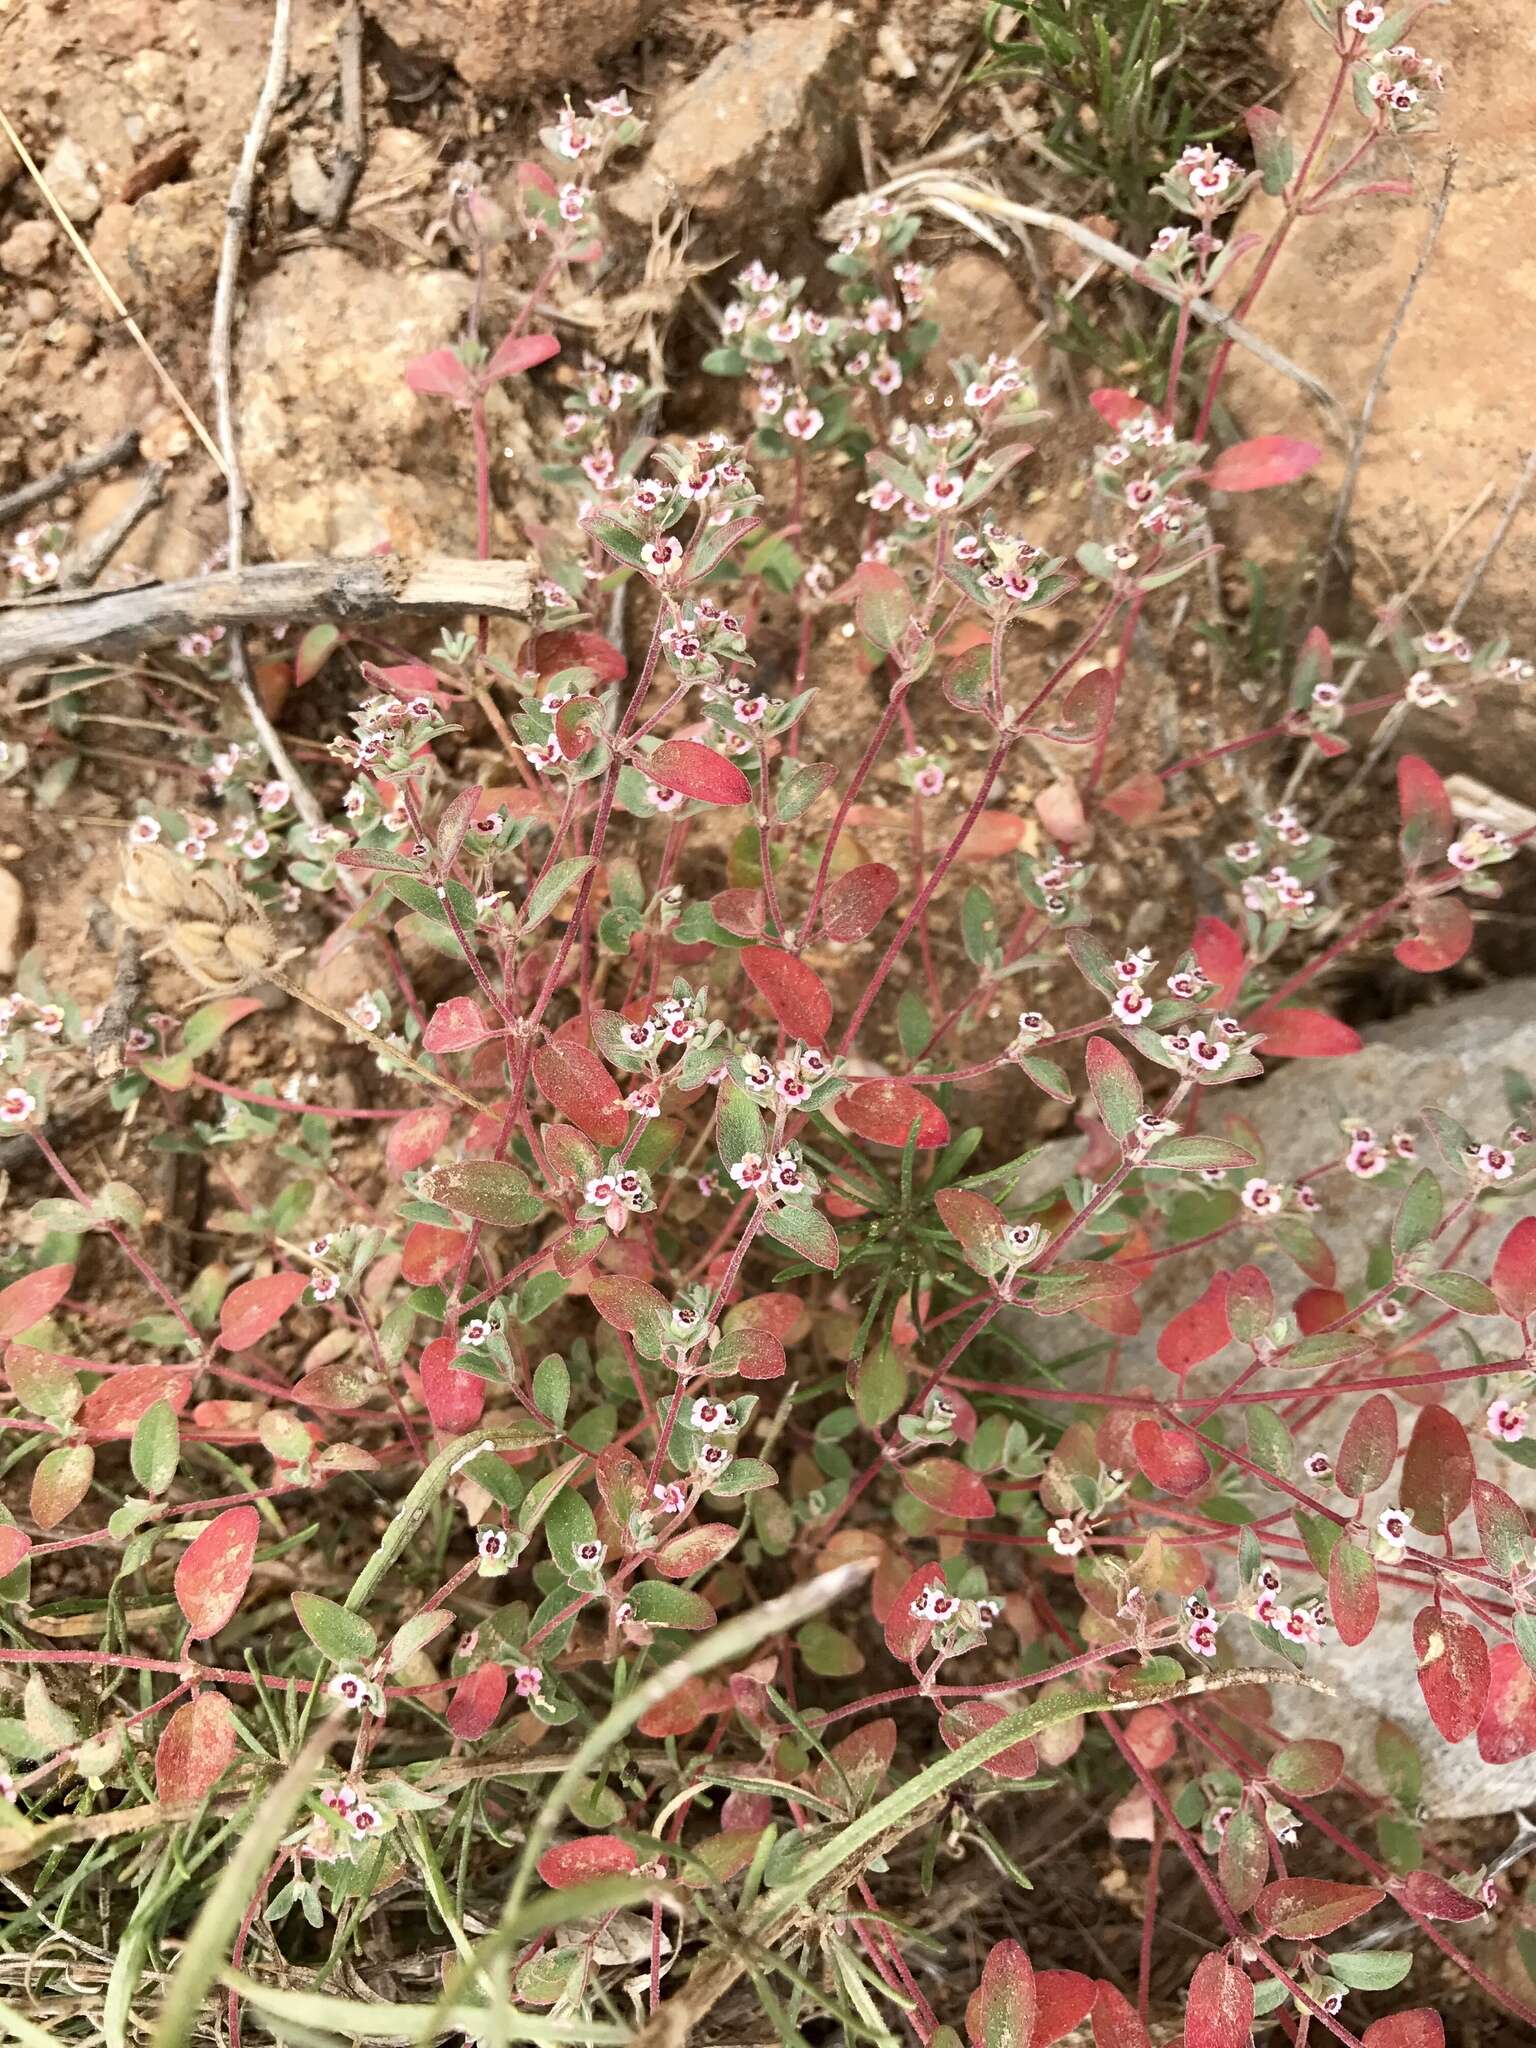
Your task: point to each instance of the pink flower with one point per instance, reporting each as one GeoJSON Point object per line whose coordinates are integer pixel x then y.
{"type": "Point", "coordinates": [1507, 1420]}
{"type": "Point", "coordinates": [803, 421]}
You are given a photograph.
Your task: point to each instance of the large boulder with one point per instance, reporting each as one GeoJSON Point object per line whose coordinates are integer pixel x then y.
{"type": "Point", "coordinates": [1455, 410]}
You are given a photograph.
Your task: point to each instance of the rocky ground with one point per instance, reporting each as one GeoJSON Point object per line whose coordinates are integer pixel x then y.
{"type": "Point", "coordinates": [760, 117]}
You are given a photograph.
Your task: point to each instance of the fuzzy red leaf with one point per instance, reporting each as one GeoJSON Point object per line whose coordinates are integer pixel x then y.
{"type": "Point", "coordinates": [1063, 2000]}
{"type": "Point", "coordinates": [696, 1550]}
{"type": "Point", "coordinates": [1296, 1034]}
{"type": "Point", "coordinates": [1422, 1891]}
{"type": "Point", "coordinates": [519, 352]}
{"type": "Point", "coordinates": [572, 1863]}
{"type": "Point", "coordinates": [455, 1025]}
{"type": "Point", "coordinates": [256, 1307]}
{"type": "Point", "coordinates": [116, 1407]}
{"type": "Point", "coordinates": [1455, 1672]}
{"type": "Point", "coordinates": [455, 1399]}
{"type": "Point", "coordinates": [884, 1112]}
{"type": "Point", "coordinates": [439, 374]}
{"type": "Point", "coordinates": [1220, 2011]}
{"type": "Point", "coordinates": [431, 1253]}
{"type": "Point", "coordinates": [1115, 407]}
{"type": "Point", "coordinates": [1221, 956]}
{"type": "Point", "coordinates": [1001, 2011]}
{"type": "Point", "coordinates": [1261, 464]}
{"type": "Point", "coordinates": [1427, 818]}
{"type": "Point", "coordinates": [31, 1298]}
{"type": "Point", "coordinates": [697, 771]}
{"type": "Point", "coordinates": [577, 1083]}
{"type": "Point", "coordinates": [1171, 1460]}
{"type": "Point", "coordinates": [1438, 1470]}
{"type": "Point", "coordinates": [965, 1719]}
{"type": "Point", "coordinates": [1305, 1908]}
{"type": "Point", "coordinates": [1116, 2023]}
{"type": "Point", "coordinates": [194, 1751]}
{"type": "Point", "coordinates": [415, 1138]}
{"type": "Point", "coordinates": [477, 1700]}
{"type": "Point", "coordinates": [14, 1545]}
{"type": "Point", "coordinates": [215, 1570]}
{"type": "Point", "coordinates": [857, 901]}
{"type": "Point", "coordinates": [571, 647]}
{"type": "Point", "coordinates": [1420, 2028]}
{"type": "Point", "coordinates": [1369, 1449]}
{"type": "Point", "coordinates": [948, 1487]}
{"type": "Point", "coordinates": [1137, 800]}
{"type": "Point", "coordinates": [1507, 1729]}
{"type": "Point", "coordinates": [1198, 1332]}
{"type": "Point", "coordinates": [906, 1634]}
{"type": "Point", "coordinates": [1514, 1270]}
{"type": "Point", "coordinates": [794, 992]}
{"type": "Point", "coordinates": [1442, 936]}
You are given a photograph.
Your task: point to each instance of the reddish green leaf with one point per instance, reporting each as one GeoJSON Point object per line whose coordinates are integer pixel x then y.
{"type": "Point", "coordinates": [1172, 1459]}
{"type": "Point", "coordinates": [116, 1407]}
{"type": "Point", "coordinates": [1354, 1597]}
{"type": "Point", "coordinates": [59, 1484]}
{"type": "Point", "coordinates": [883, 1112]}
{"type": "Point", "coordinates": [315, 650]}
{"type": "Point", "coordinates": [1220, 2011]}
{"type": "Point", "coordinates": [948, 1487]}
{"type": "Point", "coordinates": [697, 771]}
{"type": "Point", "coordinates": [571, 647]}
{"type": "Point", "coordinates": [966, 1718]}
{"type": "Point", "coordinates": [1001, 2012]}
{"type": "Point", "coordinates": [1369, 1449]}
{"type": "Point", "coordinates": [1116, 1090]}
{"type": "Point", "coordinates": [1308, 1767]}
{"type": "Point", "coordinates": [27, 1301]}
{"type": "Point", "coordinates": [696, 1550]}
{"type": "Point", "coordinates": [1455, 1672]}
{"type": "Point", "coordinates": [794, 992]}
{"type": "Point", "coordinates": [1261, 464]}
{"type": "Point", "coordinates": [489, 1190]}
{"type": "Point", "coordinates": [1442, 935]}
{"type": "Point", "coordinates": [1198, 1332]}
{"type": "Point", "coordinates": [256, 1307]}
{"type": "Point", "coordinates": [805, 1232]}
{"type": "Point", "coordinates": [1437, 1471]}
{"type": "Point", "coordinates": [455, 1399]}
{"type": "Point", "coordinates": [882, 604]}
{"type": "Point", "coordinates": [1297, 1034]}
{"type": "Point", "coordinates": [477, 1700]}
{"type": "Point", "coordinates": [580, 1087]}
{"type": "Point", "coordinates": [572, 1863]}
{"type": "Point", "coordinates": [431, 1254]}
{"type": "Point", "coordinates": [1514, 1270]}
{"type": "Point", "coordinates": [857, 901]}
{"type": "Point", "coordinates": [215, 1570]}
{"type": "Point", "coordinates": [14, 1545]}
{"type": "Point", "coordinates": [1242, 1862]}
{"type": "Point", "coordinates": [1502, 1529]}
{"type": "Point", "coordinates": [1304, 1908]}
{"type": "Point", "coordinates": [1507, 1730]}
{"type": "Point", "coordinates": [906, 1634]}
{"type": "Point", "coordinates": [1427, 818]}
{"type": "Point", "coordinates": [195, 1749]}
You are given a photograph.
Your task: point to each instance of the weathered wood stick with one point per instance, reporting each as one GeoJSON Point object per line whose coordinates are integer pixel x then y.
{"type": "Point", "coordinates": [351, 593]}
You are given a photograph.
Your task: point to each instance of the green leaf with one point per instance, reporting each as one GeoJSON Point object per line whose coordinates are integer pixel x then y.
{"type": "Point", "coordinates": [800, 784]}
{"type": "Point", "coordinates": [1371, 1970]}
{"type": "Point", "coordinates": [739, 1128]}
{"type": "Point", "coordinates": [1190, 1153]}
{"type": "Point", "coordinates": [806, 1232]}
{"type": "Point", "coordinates": [662, 1606]}
{"type": "Point", "coordinates": [1460, 1291]}
{"type": "Point", "coordinates": [562, 878]}
{"type": "Point", "coordinates": [1524, 1629]}
{"type": "Point", "coordinates": [552, 1388]}
{"type": "Point", "coordinates": [156, 1448]}
{"type": "Point", "coordinates": [1116, 1090]}
{"type": "Point", "coordinates": [490, 1190]}
{"type": "Point", "coordinates": [828, 1652]}
{"type": "Point", "coordinates": [1418, 1214]}
{"type": "Point", "coordinates": [1270, 1442]}
{"type": "Point", "coordinates": [344, 1638]}
{"type": "Point", "coordinates": [568, 1521]}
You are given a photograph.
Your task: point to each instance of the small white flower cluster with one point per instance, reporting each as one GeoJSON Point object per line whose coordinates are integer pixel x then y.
{"type": "Point", "coordinates": [1205, 183]}
{"type": "Point", "coordinates": [793, 1081]}
{"type": "Point", "coordinates": [780, 1175]}
{"type": "Point", "coordinates": [1004, 565]}
{"type": "Point", "coordinates": [1480, 846]}
{"type": "Point", "coordinates": [607, 124]}
{"type": "Point", "coordinates": [34, 554]}
{"type": "Point", "coordinates": [1303, 1624]}
{"type": "Point", "coordinates": [389, 732]}
{"type": "Point", "coordinates": [675, 1021]}
{"type": "Point", "coordinates": [360, 1816]}
{"type": "Point", "coordinates": [615, 1196]}
{"type": "Point", "coordinates": [1397, 79]}
{"type": "Point", "coordinates": [1200, 1054]}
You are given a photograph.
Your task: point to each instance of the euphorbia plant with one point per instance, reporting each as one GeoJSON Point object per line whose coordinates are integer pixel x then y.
{"type": "Point", "coordinates": [690, 1320]}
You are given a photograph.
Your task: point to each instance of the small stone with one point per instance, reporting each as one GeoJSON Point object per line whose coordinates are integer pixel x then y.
{"type": "Point", "coordinates": [27, 247]}
{"type": "Point", "coordinates": [509, 45]}
{"type": "Point", "coordinates": [164, 250]}
{"type": "Point", "coordinates": [12, 903]}
{"type": "Point", "coordinates": [760, 135]}
{"type": "Point", "coordinates": [41, 305]}
{"type": "Point", "coordinates": [68, 177]}
{"type": "Point", "coordinates": [307, 181]}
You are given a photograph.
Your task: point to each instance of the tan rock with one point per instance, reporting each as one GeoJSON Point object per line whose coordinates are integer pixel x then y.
{"type": "Point", "coordinates": [163, 252]}
{"type": "Point", "coordinates": [69, 179]}
{"type": "Point", "coordinates": [760, 134]}
{"type": "Point", "coordinates": [508, 45]}
{"type": "Point", "coordinates": [1459, 399]}
{"type": "Point", "coordinates": [27, 247]}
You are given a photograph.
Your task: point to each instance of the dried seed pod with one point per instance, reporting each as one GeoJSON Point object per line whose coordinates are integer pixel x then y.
{"type": "Point", "coordinates": [201, 916]}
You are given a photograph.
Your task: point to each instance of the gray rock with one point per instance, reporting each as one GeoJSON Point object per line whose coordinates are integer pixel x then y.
{"type": "Point", "coordinates": [759, 136]}
{"type": "Point", "coordinates": [69, 178]}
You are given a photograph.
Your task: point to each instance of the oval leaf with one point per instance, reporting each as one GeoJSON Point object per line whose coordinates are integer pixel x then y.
{"type": "Point", "coordinates": [216, 1569]}
{"type": "Point", "coordinates": [194, 1751]}
{"type": "Point", "coordinates": [697, 771]}
{"type": "Point", "coordinates": [857, 901]}
{"type": "Point", "coordinates": [794, 992]}
{"type": "Point", "coordinates": [257, 1306]}
{"type": "Point", "coordinates": [572, 1863]}
{"type": "Point", "coordinates": [884, 1112]}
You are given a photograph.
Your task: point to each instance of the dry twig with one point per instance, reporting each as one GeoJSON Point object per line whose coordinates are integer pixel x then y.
{"type": "Point", "coordinates": [84, 568]}
{"type": "Point", "coordinates": [122, 448]}
{"type": "Point", "coordinates": [353, 153]}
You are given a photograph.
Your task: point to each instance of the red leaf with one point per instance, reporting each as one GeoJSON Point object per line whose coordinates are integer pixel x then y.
{"type": "Point", "coordinates": [60, 1481]}
{"type": "Point", "coordinates": [1198, 1332]}
{"type": "Point", "coordinates": [1420, 2028]}
{"type": "Point", "coordinates": [1260, 465]}
{"type": "Point", "coordinates": [1172, 1460]}
{"type": "Point", "coordinates": [1438, 1470]}
{"type": "Point", "coordinates": [857, 901]}
{"type": "Point", "coordinates": [1221, 956]}
{"type": "Point", "coordinates": [1136, 801]}
{"type": "Point", "coordinates": [679, 1713]}
{"type": "Point", "coordinates": [1116, 407]}
{"type": "Point", "coordinates": [14, 1545]}
{"type": "Point", "coordinates": [578, 1084]}
{"type": "Point", "coordinates": [455, 1025]}
{"type": "Point", "coordinates": [1423, 1892]}
{"type": "Point", "coordinates": [1063, 2000]}
{"type": "Point", "coordinates": [906, 1634]}
{"type": "Point", "coordinates": [215, 1571]}
{"type": "Point", "coordinates": [257, 1306]}
{"type": "Point", "coordinates": [455, 1399]}
{"type": "Point", "coordinates": [431, 1253]}
{"type": "Point", "coordinates": [1427, 818]}
{"type": "Point", "coordinates": [1455, 1671]}
{"type": "Point", "coordinates": [439, 375]}
{"type": "Point", "coordinates": [1303, 1908]}
{"type": "Point", "coordinates": [1001, 2012]}
{"type": "Point", "coordinates": [695, 770]}
{"type": "Point", "coordinates": [1507, 1730]}
{"type": "Point", "coordinates": [695, 1550]}
{"type": "Point", "coordinates": [1354, 1594]}
{"type": "Point", "coordinates": [968, 1718]}
{"type": "Point", "coordinates": [195, 1749]}
{"type": "Point", "coordinates": [571, 1863]}
{"type": "Point", "coordinates": [1369, 1449]}
{"type": "Point", "coordinates": [570, 647]}
{"type": "Point", "coordinates": [477, 1700]}
{"type": "Point", "coordinates": [794, 992]}
{"type": "Point", "coordinates": [520, 352]}
{"type": "Point", "coordinates": [1303, 1035]}
{"type": "Point", "coordinates": [1514, 1270]}
{"type": "Point", "coordinates": [1220, 2013]}
{"type": "Point", "coordinates": [994, 834]}
{"type": "Point", "coordinates": [35, 1295]}
{"type": "Point", "coordinates": [950, 1488]}
{"type": "Point", "coordinates": [884, 1112]}
{"type": "Point", "coordinates": [1442, 935]}
{"type": "Point", "coordinates": [117, 1405]}
{"type": "Point", "coordinates": [1115, 2020]}
{"type": "Point", "coordinates": [415, 1138]}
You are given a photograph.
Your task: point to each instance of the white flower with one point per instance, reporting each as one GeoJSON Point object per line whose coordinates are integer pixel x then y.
{"type": "Point", "coordinates": [710, 1416]}
{"type": "Point", "coordinates": [589, 1555]}
{"type": "Point", "coordinates": [803, 421]}
{"type": "Point", "coordinates": [1200, 1636]}
{"type": "Point", "coordinates": [366, 1012]}
{"type": "Point", "coordinates": [1394, 1526]}
{"type": "Point", "coordinates": [17, 1106]}
{"type": "Point", "coordinates": [749, 1172]}
{"type": "Point", "coordinates": [144, 831]}
{"type": "Point", "coordinates": [353, 1691]}
{"type": "Point", "coordinates": [1065, 1537]}
{"type": "Point", "coordinates": [1507, 1420]}
{"type": "Point", "coordinates": [1262, 1197]}
{"type": "Point", "coordinates": [1131, 1004]}
{"type": "Point", "coordinates": [934, 1604]}
{"type": "Point", "coordinates": [1493, 1162]}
